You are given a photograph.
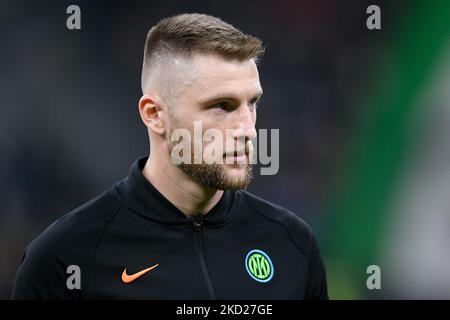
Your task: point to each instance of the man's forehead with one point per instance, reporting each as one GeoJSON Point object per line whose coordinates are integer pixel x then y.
{"type": "Point", "coordinates": [214, 75]}
{"type": "Point", "coordinates": [212, 66]}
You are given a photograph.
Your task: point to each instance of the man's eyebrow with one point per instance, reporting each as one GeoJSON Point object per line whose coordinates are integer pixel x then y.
{"type": "Point", "coordinates": [258, 95]}
{"type": "Point", "coordinates": [227, 96]}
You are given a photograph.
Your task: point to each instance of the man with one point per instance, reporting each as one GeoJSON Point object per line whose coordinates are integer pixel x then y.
{"type": "Point", "coordinates": [183, 229]}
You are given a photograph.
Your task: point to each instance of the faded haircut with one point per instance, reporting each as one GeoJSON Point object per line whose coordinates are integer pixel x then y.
{"type": "Point", "coordinates": [186, 34]}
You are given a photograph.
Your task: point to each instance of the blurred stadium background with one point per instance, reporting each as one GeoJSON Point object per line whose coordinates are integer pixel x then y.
{"type": "Point", "coordinates": [364, 119]}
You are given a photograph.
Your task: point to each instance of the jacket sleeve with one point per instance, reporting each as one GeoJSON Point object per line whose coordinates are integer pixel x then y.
{"type": "Point", "coordinates": [41, 275]}
{"type": "Point", "coordinates": [317, 281]}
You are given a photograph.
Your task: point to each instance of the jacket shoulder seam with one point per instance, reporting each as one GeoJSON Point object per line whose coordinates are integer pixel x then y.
{"type": "Point", "coordinates": [106, 222]}
{"type": "Point", "coordinates": [279, 222]}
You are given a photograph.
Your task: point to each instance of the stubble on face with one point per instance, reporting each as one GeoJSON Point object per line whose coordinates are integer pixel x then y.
{"type": "Point", "coordinates": [212, 176]}
{"type": "Point", "coordinates": [216, 175]}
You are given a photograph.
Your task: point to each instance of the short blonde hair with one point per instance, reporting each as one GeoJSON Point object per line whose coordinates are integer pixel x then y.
{"type": "Point", "coordinates": [186, 34]}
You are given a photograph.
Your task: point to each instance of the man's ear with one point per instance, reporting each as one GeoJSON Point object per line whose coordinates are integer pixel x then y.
{"type": "Point", "coordinates": [151, 113]}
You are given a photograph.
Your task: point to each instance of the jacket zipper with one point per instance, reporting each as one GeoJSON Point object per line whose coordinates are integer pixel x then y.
{"type": "Point", "coordinates": [197, 222]}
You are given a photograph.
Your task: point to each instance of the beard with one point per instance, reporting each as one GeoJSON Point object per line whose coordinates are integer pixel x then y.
{"type": "Point", "coordinates": [214, 176]}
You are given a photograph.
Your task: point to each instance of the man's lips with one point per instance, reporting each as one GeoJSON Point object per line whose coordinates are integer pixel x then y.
{"type": "Point", "coordinates": [239, 157]}
{"type": "Point", "coordinates": [235, 153]}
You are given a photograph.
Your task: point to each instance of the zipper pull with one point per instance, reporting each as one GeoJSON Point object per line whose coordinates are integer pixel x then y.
{"type": "Point", "coordinates": [197, 221]}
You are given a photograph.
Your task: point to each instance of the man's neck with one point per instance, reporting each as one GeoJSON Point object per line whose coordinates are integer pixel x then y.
{"type": "Point", "coordinates": [188, 196]}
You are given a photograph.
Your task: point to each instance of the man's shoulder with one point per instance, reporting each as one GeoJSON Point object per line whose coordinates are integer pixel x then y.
{"type": "Point", "coordinates": [274, 211]}
{"type": "Point", "coordinates": [79, 229]}
{"type": "Point", "coordinates": [299, 231]}
{"type": "Point", "coordinates": [70, 240]}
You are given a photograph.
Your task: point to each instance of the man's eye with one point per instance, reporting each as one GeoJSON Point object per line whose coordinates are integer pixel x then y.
{"type": "Point", "coordinates": [221, 105]}
{"type": "Point", "coordinates": [253, 105]}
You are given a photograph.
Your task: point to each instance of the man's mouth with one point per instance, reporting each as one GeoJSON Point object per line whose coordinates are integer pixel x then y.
{"type": "Point", "coordinates": [239, 157]}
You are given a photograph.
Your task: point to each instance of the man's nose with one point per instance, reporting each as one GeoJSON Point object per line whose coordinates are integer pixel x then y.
{"type": "Point", "coordinates": [245, 124]}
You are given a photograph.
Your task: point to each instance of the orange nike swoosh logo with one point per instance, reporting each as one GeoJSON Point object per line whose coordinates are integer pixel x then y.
{"type": "Point", "coordinates": [130, 278]}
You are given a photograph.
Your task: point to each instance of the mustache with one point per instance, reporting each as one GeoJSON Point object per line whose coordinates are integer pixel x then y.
{"type": "Point", "coordinates": [240, 150]}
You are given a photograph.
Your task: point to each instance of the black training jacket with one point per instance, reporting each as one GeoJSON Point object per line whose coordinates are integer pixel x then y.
{"type": "Point", "coordinates": [132, 243]}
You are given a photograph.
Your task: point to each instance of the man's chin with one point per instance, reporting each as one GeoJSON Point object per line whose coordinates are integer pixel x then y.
{"type": "Point", "coordinates": [219, 177]}
{"type": "Point", "coordinates": [235, 171]}
{"type": "Point", "coordinates": [238, 176]}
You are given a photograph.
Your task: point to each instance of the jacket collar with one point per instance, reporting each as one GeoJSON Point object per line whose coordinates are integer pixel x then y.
{"type": "Point", "coordinates": [139, 195]}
